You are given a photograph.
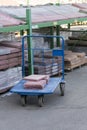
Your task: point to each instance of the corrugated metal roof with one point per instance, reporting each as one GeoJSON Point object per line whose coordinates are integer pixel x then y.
{"type": "Point", "coordinates": [19, 12]}
{"type": "Point", "coordinates": [81, 6]}
{"type": "Point", "coordinates": [47, 13]}
{"type": "Point", "coordinates": [83, 10]}
{"type": "Point", "coordinates": [55, 13]}
{"type": "Point", "coordinates": [6, 20]}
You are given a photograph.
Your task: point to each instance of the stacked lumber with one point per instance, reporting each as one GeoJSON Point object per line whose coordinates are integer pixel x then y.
{"type": "Point", "coordinates": [81, 38]}
{"type": "Point", "coordinates": [12, 44]}
{"type": "Point", "coordinates": [85, 59]}
{"type": "Point", "coordinates": [73, 59]}
{"type": "Point", "coordinates": [77, 43]}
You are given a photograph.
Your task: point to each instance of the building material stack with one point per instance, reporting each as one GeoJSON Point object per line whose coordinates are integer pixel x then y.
{"type": "Point", "coordinates": [45, 63]}
{"type": "Point", "coordinates": [47, 66]}
{"type": "Point", "coordinates": [77, 42]}
{"type": "Point", "coordinates": [10, 62]}
{"type": "Point", "coordinates": [9, 77]}
{"type": "Point", "coordinates": [74, 59]}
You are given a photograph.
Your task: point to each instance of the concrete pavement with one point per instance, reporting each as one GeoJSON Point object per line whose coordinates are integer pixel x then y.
{"type": "Point", "coordinates": [58, 113]}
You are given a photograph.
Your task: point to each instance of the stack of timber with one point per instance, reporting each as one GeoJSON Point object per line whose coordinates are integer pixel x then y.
{"type": "Point", "coordinates": [74, 59]}
{"type": "Point", "coordinates": [77, 43]}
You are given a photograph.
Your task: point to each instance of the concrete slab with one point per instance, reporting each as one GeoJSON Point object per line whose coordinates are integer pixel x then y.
{"type": "Point", "coordinates": [58, 113]}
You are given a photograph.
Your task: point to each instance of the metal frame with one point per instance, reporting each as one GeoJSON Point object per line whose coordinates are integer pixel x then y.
{"type": "Point", "coordinates": [53, 82]}
{"type": "Point", "coordinates": [29, 27]}
{"type": "Point", "coordinates": [55, 23]}
{"type": "Point", "coordinates": [55, 52]}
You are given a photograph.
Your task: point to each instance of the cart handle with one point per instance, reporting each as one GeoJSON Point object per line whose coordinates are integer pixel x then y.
{"type": "Point", "coordinates": [47, 36]}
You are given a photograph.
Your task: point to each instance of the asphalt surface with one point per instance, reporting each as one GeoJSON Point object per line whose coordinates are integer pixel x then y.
{"type": "Point", "coordinates": [68, 112]}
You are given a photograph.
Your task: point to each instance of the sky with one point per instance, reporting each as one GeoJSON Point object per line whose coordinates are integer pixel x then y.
{"type": "Point", "coordinates": [36, 2]}
{"type": "Point", "coordinates": [39, 2]}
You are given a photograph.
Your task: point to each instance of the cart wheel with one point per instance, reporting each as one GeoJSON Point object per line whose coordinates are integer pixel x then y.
{"type": "Point", "coordinates": [62, 88]}
{"type": "Point", "coordinates": [23, 100]}
{"type": "Point", "coordinates": [40, 100]}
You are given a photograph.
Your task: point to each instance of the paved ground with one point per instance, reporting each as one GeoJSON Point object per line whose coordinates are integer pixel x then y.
{"type": "Point", "coordinates": [59, 113]}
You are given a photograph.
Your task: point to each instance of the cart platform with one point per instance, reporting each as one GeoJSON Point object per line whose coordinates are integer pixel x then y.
{"type": "Point", "coordinates": [49, 88]}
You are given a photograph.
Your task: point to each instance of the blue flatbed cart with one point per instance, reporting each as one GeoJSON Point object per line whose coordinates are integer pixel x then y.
{"type": "Point", "coordinates": [53, 83]}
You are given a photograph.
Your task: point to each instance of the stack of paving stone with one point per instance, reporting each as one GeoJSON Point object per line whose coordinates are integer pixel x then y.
{"type": "Point", "coordinates": [51, 66]}
{"type": "Point", "coordinates": [45, 63]}
{"type": "Point", "coordinates": [10, 59]}
{"type": "Point", "coordinates": [10, 54]}
{"type": "Point", "coordinates": [74, 59]}
{"type": "Point", "coordinates": [9, 77]}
